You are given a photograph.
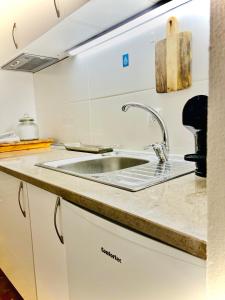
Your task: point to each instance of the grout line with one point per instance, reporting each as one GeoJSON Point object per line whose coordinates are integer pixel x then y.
{"type": "Point", "coordinates": [138, 91]}
{"type": "Point", "coordinates": [121, 94]}
{"type": "Point", "coordinates": [89, 105]}
{"type": "Point", "coordinates": [125, 93]}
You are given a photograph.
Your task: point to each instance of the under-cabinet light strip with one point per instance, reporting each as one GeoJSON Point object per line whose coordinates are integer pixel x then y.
{"type": "Point", "coordinates": [108, 35]}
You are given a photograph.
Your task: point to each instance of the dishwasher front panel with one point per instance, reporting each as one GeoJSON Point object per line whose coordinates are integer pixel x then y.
{"type": "Point", "coordinates": [108, 262]}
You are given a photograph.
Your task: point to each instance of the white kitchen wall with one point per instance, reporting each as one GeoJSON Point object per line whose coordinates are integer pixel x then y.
{"type": "Point", "coordinates": [80, 98]}
{"type": "Point", "coordinates": [16, 98]}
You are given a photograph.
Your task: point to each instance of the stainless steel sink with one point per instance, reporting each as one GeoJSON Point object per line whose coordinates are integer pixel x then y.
{"type": "Point", "coordinates": [102, 165]}
{"type": "Point", "coordinates": [129, 171]}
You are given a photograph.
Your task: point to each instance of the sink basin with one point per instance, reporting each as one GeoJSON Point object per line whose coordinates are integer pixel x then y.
{"type": "Point", "coordinates": [129, 171]}
{"type": "Point", "coordinates": [103, 165]}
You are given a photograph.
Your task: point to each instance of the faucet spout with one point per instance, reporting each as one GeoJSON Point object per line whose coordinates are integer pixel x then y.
{"type": "Point", "coordinates": [152, 111]}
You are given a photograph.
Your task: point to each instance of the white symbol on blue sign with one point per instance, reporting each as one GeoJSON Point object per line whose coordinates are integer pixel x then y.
{"type": "Point", "coordinates": [125, 60]}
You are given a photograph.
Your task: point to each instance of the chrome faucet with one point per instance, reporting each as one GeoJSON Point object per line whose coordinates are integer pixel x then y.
{"type": "Point", "coordinates": [161, 149]}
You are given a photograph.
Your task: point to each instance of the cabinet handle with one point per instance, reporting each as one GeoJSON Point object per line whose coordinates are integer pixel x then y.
{"type": "Point", "coordinates": [56, 9]}
{"type": "Point", "coordinates": [19, 200]}
{"type": "Point", "coordinates": [13, 35]}
{"type": "Point", "coordinates": [57, 205]}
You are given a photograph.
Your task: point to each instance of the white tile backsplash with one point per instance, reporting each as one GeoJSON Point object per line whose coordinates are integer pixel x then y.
{"type": "Point", "coordinates": [107, 77]}
{"type": "Point", "coordinates": [16, 98]}
{"type": "Point", "coordinates": [83, 95]}
{"type": "Point", "coordinates": [77, 123]}
{"type": "Point", "coordinates": [133, 129]}
{"type": "Point", "coordinates": [65, 81]}
{"type": "Point", "coordinates": [181, 139]}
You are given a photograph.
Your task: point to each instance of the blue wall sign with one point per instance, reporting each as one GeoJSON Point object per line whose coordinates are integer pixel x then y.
{"type": "Point", "coordinates": [125, 60]}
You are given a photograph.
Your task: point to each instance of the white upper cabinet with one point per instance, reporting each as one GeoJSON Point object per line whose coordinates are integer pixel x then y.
{"type": "Point", "coordinates": [50, 27]}
{"type": "Point", "coordinates": [106, 13]}
{"type": "Point", "coordinates": [34, 18]}
{"type": "Point", "coordinates": [67, 7]}
{"type": "Point", "coordinates": [85, 22]}
{"type": "Point", "coordinates": [25, 21]}
{"type": "Point", "coordinates": [7, 49]}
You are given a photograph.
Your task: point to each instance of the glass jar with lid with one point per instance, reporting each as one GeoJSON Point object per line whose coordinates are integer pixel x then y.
{"type": "Point", "coordinates": [27, 129]}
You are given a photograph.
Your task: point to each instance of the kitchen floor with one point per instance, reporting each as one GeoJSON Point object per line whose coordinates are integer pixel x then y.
{"type": "Point", "coordinates": [7, 290]}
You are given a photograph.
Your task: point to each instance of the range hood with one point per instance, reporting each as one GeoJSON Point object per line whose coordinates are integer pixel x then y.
{"type": "Point", "coordinates": [29, 63]}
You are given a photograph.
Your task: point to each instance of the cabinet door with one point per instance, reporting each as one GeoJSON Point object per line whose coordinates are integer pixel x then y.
{"type": "Point", "coordinates": [106, 261]}
{"type": "Point", "coordinates": [7, 49]}
{"type": "Point", "coordinates": [49, 252]}
{"type": "Point", "coordinates": [33, 18]}
{"type": "Point", "coordinates": [16, 256]}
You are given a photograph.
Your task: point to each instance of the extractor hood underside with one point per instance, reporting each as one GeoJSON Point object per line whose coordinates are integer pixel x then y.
{"type": "Point", "coordinates": [29, 63]}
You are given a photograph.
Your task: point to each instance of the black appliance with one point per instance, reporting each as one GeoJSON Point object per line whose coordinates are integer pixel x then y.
{"type": "Point", "coordinates": [195, 120]}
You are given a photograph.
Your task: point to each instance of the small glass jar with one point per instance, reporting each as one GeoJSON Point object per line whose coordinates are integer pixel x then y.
{"type": "Point", "coordinates": [26, 129]}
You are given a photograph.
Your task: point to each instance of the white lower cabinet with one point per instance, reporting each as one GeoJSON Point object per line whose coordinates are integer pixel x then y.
{"type": "Point", "coordinates": [16, 256]}
{"type": "Point", "coordinates": [49, 252]}
{"type": "Point", "coordinates": [99, 260]}
{"type": "Point", "coordinates": [108, 262]}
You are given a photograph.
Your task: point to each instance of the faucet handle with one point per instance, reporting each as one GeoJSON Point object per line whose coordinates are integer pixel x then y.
{"type": "Point", "coordinates": [160, 151]}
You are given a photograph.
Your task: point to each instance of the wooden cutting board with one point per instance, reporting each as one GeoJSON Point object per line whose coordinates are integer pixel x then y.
{"type": "Point", "coordinates": [26, 145]}
{"type": "Point", "coordinates": [173, 59]}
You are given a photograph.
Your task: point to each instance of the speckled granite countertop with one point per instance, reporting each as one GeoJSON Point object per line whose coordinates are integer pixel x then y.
{"type": "Point", "coordinates": [174, 212]}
